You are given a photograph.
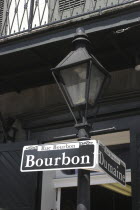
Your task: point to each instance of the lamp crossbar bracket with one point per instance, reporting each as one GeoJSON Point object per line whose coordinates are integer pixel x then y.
{"type": "Point", "coordinates": [72, 136]}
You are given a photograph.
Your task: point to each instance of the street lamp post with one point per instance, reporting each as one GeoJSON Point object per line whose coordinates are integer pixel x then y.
{"type": "Point", "coordinates": [83, 187]}
{"type": "Point", "coordinates": [81, 78]}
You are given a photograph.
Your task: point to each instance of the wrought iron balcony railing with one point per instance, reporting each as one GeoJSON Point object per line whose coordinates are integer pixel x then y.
{"type": "Point", "coordinates": [20, 16]}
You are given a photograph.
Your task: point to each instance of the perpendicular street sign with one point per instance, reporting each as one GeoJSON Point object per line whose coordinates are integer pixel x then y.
{"type": "Point", "coordinates": [111, 164]}
{"type": "Point", "coordinates": [59, 156]}
{"type": "Point", "coordinates": [89, 154]}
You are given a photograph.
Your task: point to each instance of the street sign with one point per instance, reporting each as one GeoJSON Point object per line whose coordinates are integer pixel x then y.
{"type": "Point", "coordinates": [111, 164]}
{"type": "Point", "coordinates": [59, 156]}
{"type": "Point", "coordinates": [89, 154]}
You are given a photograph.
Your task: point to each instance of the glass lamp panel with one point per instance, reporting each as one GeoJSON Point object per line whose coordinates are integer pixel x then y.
{"type": "Point", "coordinates": [96, 81]}
{"type": "Point", "coordinates": [74, 79]}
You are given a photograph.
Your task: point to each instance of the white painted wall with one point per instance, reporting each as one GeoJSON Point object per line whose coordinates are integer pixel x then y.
{"type": "Point", "coordinates": [48, 201]}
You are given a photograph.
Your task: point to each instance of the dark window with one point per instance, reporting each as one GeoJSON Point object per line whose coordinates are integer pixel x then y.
{"type": "Point", "coordinates": [70, 4]}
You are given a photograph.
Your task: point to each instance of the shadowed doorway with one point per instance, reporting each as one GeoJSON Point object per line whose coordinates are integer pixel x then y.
{"type": "Point", "coordinates": [101, 199]}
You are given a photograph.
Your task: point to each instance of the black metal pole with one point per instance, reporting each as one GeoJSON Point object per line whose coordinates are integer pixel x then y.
{"type": "Point", "coordinates": [31, 15]}
{"type": "Point", "coordinates": [83, 189]}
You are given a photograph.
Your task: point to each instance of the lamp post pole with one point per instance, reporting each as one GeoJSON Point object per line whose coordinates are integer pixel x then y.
{"type": "Point", "coordinates": [83, 188]}
{"type": "Point", "coordinates": [83, 185]}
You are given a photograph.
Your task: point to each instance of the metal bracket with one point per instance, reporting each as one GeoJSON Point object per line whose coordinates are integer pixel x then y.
{"type": "Point", "coordinates": [73, 136]}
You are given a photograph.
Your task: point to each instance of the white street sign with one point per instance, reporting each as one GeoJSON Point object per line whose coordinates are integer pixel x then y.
{"type": "Point", "coordinates": [89, 154]}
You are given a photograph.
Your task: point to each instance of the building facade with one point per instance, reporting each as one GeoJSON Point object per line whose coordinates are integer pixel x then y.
{"type": "Point", "coordinates": [35, 35]}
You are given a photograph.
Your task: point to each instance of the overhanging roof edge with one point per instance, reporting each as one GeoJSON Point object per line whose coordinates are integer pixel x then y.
{"type": "Point", "coordinates": [68, 32]}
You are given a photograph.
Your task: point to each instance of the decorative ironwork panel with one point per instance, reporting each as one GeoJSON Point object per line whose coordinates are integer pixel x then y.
{"type": "Point", "coordinates": [16, 16]}
{"type": "Point", "coordinates": [40, 13]}
{"type": "Point", "coordinates": [20, 16]}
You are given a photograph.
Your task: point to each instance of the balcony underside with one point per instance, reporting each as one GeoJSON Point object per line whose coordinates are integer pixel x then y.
{"type": "Point", "coordinates": [26, 60]}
